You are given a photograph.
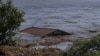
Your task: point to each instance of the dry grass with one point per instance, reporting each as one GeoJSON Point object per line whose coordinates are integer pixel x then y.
{"type": "Point", "coordinates": [21, 51]}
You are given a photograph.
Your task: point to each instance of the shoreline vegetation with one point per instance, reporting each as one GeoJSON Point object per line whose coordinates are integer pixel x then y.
{"type": "Point", "coordinates": [22, 51]}
{"type": "Point", "coordinates": [83, 47]}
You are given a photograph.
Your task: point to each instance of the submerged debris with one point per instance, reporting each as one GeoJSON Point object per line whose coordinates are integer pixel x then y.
{"type": "Point", "coordinates": [43, 32]}
{"type": "Point", "coordinates": [93, 31]}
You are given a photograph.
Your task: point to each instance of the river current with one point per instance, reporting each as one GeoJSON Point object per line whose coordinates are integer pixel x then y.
{"type": "Point", "coordinates": [68, 15]}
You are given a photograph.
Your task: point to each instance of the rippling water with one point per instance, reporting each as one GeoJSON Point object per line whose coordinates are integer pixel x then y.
{"type": "Point", "coordinates": [68, 15]}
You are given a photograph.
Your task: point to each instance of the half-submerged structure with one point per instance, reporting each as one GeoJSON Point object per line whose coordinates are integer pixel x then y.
{"type": "Point", "coordinates": [43, 32]}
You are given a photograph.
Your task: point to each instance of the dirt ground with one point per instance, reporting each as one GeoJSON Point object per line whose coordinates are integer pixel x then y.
{"type": "Point", "coordinates": [21, 51]}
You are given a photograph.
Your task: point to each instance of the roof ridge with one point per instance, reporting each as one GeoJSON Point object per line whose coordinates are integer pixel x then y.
{"type": "Point", "coordinates": [38, 28]}
{"type": "Point", "coordinates": [26, 28]}
{"type": "Point", "coordinates": [44, 28]}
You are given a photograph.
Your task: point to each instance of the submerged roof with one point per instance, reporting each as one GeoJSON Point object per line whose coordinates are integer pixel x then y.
{"type": "Point", "coordinates": [40, 31]}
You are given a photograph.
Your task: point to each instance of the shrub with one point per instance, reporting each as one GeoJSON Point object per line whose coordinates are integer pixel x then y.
{"type": "Point", "coordinates": [10, 20]}
{"type": "Point", "coordinates": [85, 48]}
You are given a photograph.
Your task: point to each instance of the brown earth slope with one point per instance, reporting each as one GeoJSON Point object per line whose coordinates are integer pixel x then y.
{"type": "Point", "coordinates": [21, 51]}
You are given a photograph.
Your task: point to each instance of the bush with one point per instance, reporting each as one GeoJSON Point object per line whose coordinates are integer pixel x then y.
{"type": "Point", "coordinates": [10, 20]}
{"type": "Point", "coordinates": [85, 48]}
{"type": "Point", "coordinates": [10, 42]}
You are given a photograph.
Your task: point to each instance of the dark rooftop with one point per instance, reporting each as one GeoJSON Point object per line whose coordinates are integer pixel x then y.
{"type": "Point", "coordinates": [44, 31]}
